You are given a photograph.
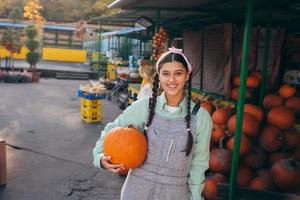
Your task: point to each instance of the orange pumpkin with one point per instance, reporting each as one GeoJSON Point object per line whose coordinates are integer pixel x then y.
{"type": "Point", "coordinates": [217, 133]}
{"type": "Point", "coordinates": [287, 91]}
{"type": "Point", "coordinates": [292, 138]}
{"type": "Point", "coordinates": [210, 188]}
{"type": "Point", "coordinates": [261, 183]}
{"type": "Point", "coordinates": [251, 82]}
{"type": "Point", "coordinates": [126, 145]}
{"type": "Point", "coordinates": [286, 174]}
{"type": "Point", "coordinates": [250, 125]}
{"type": "Point", "coordinates": [256, 158]}
{"type": "Point", "coordinates": [245, 146]}
{"type": "Point", "coordinates": [220, 159]}
{"type": "Point", "coordinates": [236, 80]}
{"type": "Point", "coordinates": [221, 116]}
{"type": "Point", "coordinates": [235, 94]}
{"type": "Point", "coordinates": [272, 100]}
{"type": "Point", "coordinates": [208, 106]}
{"type": "Point", "coordinates": [244, 176]}
{"type": "Point", "coordinates": [294, 104]}
{"type": "Point", "coordinates": [257, 75]}
{"type": "Point", "coordinates": [271, 139]}
{"type": "Point", "coordinates": [255, 111]}
{"type": "Point", "coordinates": [281, 117]}
{"type": "Point", "coordinates": [274, 157]}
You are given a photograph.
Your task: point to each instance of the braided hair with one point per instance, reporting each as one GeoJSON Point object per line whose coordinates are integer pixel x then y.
{"type": "Point", "coordinates": [152, 101]}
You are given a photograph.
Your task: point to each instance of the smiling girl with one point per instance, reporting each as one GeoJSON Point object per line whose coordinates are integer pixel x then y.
{"type": "Point", "coordinates": [178, 134]}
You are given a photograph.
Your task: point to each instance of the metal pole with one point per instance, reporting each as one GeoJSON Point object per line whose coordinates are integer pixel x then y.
{"type": "Point", "coordinates": [99, 51]}
{"type": "Point", "coordinates": [202, 59]}
{"type": "Point", "coordinates": [241, 98]}
{"type": "Point", "coordinates": [265, 59]}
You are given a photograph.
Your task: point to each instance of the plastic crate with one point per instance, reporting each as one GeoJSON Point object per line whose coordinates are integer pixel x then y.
{"type": "Point", "coordinates": [90, 116]}
{"type": "Point", "coordinates": [91, 104]}
{"type": "Point", "coordinates": [90, 96]}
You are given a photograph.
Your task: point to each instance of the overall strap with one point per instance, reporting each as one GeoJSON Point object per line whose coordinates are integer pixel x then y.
{"type": "Point", "coordinates": [195, 109]}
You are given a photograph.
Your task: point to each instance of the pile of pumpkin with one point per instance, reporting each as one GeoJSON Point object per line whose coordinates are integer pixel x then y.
{"type": "Point", "coordinates": [252, 85]}
{"type": "Point", "coordinates": [269, 149]}
{"type": "Point", "coordinates": [158, 42]}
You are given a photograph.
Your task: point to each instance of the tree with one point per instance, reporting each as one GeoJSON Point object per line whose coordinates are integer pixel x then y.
{"type": "Point", "coordinates": [11, 38]}
{"type": "Point", "coordinates": [32, 57]}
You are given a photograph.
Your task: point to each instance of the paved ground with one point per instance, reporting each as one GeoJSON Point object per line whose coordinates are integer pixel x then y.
{"type": "Point", "coordinates": [54, 161]}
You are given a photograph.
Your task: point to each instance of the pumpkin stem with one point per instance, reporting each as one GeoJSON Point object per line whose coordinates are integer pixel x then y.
{"type": "Point", "coordinates": [131, 126]}
{"type": "Point", "coordinates": [221, 142]}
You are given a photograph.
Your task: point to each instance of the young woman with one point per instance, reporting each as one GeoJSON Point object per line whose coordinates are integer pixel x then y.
{"type": "Point", "coordinates": [146, 71]}
{"type": "Point", "coordinates": [178, 135]}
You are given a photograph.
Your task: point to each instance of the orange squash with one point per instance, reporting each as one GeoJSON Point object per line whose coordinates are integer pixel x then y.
{"type": "Point", "coordinates": [221, 116]}
{"type": "Point", "coordinates": [272, 100]}
{"type": "Point", "coordinates": [271, 139]}
{"type": "Point", "coordinates": [261, 183]}
{"type": "Point", "coordinates": [294, 104]}
{"type": "Point", "coordinates": [286, 174]}
{"type": "Point", "coordinates": [126, 145]}
{"type": "Point", "coordinates": [255, 111]}
{"type": "Point", "coordinates": [208, 106]}
{"type": "Point", "coordinates": [287, 91]}
{"type": "Point", "coordinates": [257, 75]}
{"type": "Point", "coordinates": [244, 176]}
{"type": "Point", "coordinates": [274, 157]}
{"type": "Point", "coordinates": [281, 117]}
{"type": "Point", "coordinates": [251, 82]}
{"type": "Point", "coordinates": [235, 94]}
{"type": "Point", "coordinates": [220, 159]}
{"type": "Point", "coordinates": [256, 158]}
{"type": "Point", "coordinates": [245, 146]}
{"type": "Point", "coordinates": [210, 188]}
{"type": "Point", "coordinates": [292, 138]}
{"type": "Point", "coordinates": [217, 133]}
{"type": "Point", "coordinates": [250, 125]}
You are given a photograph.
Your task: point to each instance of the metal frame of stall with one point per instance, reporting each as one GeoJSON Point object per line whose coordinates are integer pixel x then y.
{"type": "Point", "coordinates": [243, 73]}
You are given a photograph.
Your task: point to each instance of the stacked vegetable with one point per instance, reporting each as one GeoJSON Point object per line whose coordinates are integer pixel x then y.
{"type": "Point", "coordinates": [158, 42]}
{"type": "Point", "coordinates": [269, 149]}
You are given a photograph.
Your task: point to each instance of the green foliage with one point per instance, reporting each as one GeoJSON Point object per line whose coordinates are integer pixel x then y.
{"type": "Point", "coordinates": [31, 32]}
{"type": "Point", "coordinates": [32, 58]}
{"type": "Point", "coordinates": [11, 41]}
{"type": "Point", "coordinates": [32, 44]}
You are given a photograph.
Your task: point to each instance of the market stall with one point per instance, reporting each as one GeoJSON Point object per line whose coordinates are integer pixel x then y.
{"type": "Point", "coordinates": [226, 50]}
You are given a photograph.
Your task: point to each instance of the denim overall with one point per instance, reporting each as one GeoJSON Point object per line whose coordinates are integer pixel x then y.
{"type": "Point", "coordinates": [164, 174]}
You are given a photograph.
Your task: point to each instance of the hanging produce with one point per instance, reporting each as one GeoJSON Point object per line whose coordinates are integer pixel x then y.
{"type": "Point", "coordinates": [158, 42]}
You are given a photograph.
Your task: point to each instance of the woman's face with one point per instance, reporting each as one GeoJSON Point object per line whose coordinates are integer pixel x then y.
{"type": "Point", "coordinates": [173, 77]}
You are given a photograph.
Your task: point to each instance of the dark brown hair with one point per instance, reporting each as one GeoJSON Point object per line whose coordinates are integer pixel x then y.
{"type": "Point", "coordinates": [152, 101]}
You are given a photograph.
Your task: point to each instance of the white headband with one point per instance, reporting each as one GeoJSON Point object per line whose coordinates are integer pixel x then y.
{"type": "Point", "coordinates": [177, 51]}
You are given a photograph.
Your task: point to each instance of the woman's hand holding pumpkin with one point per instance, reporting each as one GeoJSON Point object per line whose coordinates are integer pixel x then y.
{"type": "Point", "coordinates": [115, 168]}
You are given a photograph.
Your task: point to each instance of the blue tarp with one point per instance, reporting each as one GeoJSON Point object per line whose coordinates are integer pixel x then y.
{"type": "Point", "coordinates": [124, 31]}
{"type": "Point", "coordinates": [60, 28]}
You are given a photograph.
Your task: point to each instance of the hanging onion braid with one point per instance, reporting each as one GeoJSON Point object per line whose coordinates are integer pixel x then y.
{"type": "Point", "coordinates": [152, 103]}
{"type": "Point", "coordinates": [189, 143]}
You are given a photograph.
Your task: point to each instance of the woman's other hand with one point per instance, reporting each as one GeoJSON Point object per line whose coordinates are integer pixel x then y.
{"type": "Point", "coordinates": [115, 168]}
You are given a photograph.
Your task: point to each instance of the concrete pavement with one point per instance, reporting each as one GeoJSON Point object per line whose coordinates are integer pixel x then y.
{"type": "Point", "coordinates": [53, 158]}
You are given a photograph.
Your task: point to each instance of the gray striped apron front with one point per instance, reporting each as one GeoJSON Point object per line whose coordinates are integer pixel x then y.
{"type": "Point", "coordinates": [164, 174]}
